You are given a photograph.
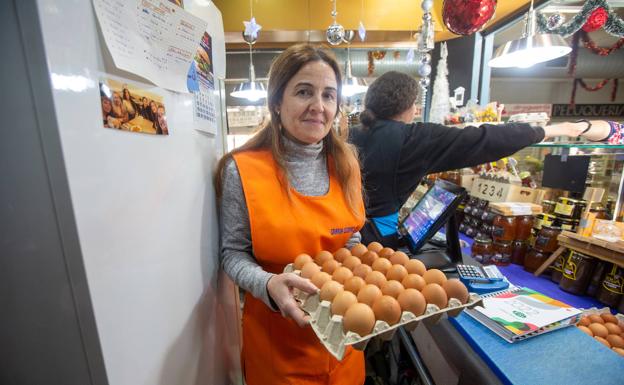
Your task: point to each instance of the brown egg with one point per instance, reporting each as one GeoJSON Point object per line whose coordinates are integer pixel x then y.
{"type": "Point", "coordinates": [341, 254]}
{"type": "Point", "coordinates": [595, 318]}
{"type": "Point", "coordinates": [351, 262]}
{"type": "Point", "coordinates": [598, 329]}
{"type": "Point", "coordinates": [359, 318]}
{"type": "Point", "coordinates": [434, 276]}
{"type": "Point", "coordinates": [392, 288]}
{"type": "Point", "coordinates": [435, 294]}
{"type": "Point", "coordinates": [615, 341]}
{"type": "Point", "coordinates": [362, 270]}
{"type": "Point", "coordinates": [385, 252]}
{"type": "Point", "coordinates": [301, 260]}
{"type": "Point", "coordinates": [322, 257]}
{"type": "Point", "coordinates": [414, 266]}
{"type": "Point", "coordinates": [454, 288]}
{"type": "Point", "coordinates": [413, 301]}
{"type": "Point", "coordinates": [387, 309]}
{"type": "Point", "coordinates": [382, 265]}
{"type": "Point", "coordinates": [613, 328]}
{"type": "Point", "coordinates": [341, 274]}
{"type": "Point", "coordinates": [329, 290]}
{"type": "Point", "coordinates": [358, 250]}
{"type": "Point", "coordinates": [320, 278]}
{"type": "Point", "coordinates": [618, 351]}
{"type": "Point", "coordinates": [354, 284]}
{"type": "Point", "coordinates": [376, 278]}
{"type": "Point", "coordinates": [414, 281]}
{"type": "Point", "coordinates": [368, 294]}
{"type": "Point", "coordinates": [608, 317]}
{"type": "Point", "coordinates": [398, 258]}
{"type": "Point", "coordinates": [330, 266]}
{"type": "Point", "coordinates": [584, 321]}
{"type": "Point", "coordinates": [603, 341]}
{"type": "Point", "coordinates": [342, 301]}
{"type": "Point", "coordinates": [309, 269]}
{"type": "Point", "coordinates": [369, 257]}
{"type": "Point", "coordinates": [586, 330]}
{"type": "Point", "coordinates": [375, 246]}
{"type": "Point", "coordinates": [396, 272]}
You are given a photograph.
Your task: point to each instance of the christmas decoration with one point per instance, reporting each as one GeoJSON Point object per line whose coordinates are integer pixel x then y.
{"type": "Point", "coordinates": [362, 31]}
{"type": "Point", "coordinates": [372, 56]}
{"type": "Point", "coordinates": [335, 33]}
{"type": "Point", "coordinates": [597, 87]}
{"type": "Point", "coordinates": [614, 25]}
{"type": "Point", "coordinates": [465, 17]}
{"type": "Point", "coordinates": [425, 44]}
{"type": "Point", "coordinates": [555, 20]}
{"type": "Point", "coordinates": [252, 29]}
{"type": "Point", "coordinates": [440, 105]}
{"type": "Point", "coordinates": [590, 45]}
{"type": "Point", "coordinates": [410, 56]}
{"type": "Point", "coordinates": [596, 20]}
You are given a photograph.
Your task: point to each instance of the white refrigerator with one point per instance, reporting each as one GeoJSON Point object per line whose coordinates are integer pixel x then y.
{"type": "Point", "coordinates": [109, 269]}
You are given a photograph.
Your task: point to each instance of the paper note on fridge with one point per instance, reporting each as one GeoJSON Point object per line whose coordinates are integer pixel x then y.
{"type": "Point", "coordinates": [153, 39]}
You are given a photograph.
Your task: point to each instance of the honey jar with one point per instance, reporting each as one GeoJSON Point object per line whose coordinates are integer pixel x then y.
{"type": "Point", "coordinates": [543, 220]}
{"type": "Point", "coordinates": [524, 224]}
{"type": "Point", "coordinates": [612, 287]}
{"type": "Point", "coordinates": [534, 259]}
{"type": "Point", "coordinates": [546, 240]}
{"type": "Point", "coordinates": [502, 253]}
{"type": "Point", "coordinates": [597, 277]}
{"type": "Point", "coordinates": [566, 207]}
{"type": "Point", "coordinates": [557, 267]}
{"type": "Point", "coordinates": [566, 224]}
{"type": "Point", "coordinates": [519, 251]}
{"type": "Point", "coordinates": [548, 207]}
{"type": "Point", "coordinates": [504, 228]}
{"type": "Point", "coordinates": [577, 272]}
{"type": "Point", "coordinates": [488, 217]}
{"type": "Point", "coordinates": [482, 250]}
{"type": "Point", "coordinates": [578, 209]}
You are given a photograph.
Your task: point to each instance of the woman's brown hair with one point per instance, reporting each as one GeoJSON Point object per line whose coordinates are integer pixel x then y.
{"type": "Point", "coordinates": [283, 68]}
{"type": "Point", "coordinates": [389, 95]}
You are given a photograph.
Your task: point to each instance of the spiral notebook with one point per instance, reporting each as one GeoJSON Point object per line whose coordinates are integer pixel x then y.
{"type": "Point", "coordinates": [523, 313]}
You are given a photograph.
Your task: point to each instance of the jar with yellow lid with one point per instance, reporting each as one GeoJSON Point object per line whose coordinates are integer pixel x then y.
{"type": "Point", "coordinates": [548, 207]}
{"type": "Point", "coordinates": [566, 207]}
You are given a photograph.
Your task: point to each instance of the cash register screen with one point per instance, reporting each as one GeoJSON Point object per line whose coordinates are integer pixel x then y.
{"type": "Point", "coordinates": [419, 224]}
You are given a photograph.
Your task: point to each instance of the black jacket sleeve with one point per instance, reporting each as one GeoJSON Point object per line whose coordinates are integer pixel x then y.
{"type": "Point", "coordinates": [450, 148]}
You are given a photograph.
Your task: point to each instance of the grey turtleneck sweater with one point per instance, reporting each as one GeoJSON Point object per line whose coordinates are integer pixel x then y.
{"type": "Point", "coordinates": [307, 173]}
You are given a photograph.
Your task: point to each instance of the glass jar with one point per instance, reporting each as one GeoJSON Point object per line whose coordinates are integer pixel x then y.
{"type": "Point", "coordinates": [557, 267]}
{"type": "Point", "coordinates": [599, 210]}
{"type": "Point", "coordinates": [504, 228]}
{"type": "Point", "coordinates": [543, 220]}
{"type": "Point", "coordinates": [519, 251]}
{"type": "Point", "coordinates": [502, 253]}
{"type": "Point", "coordinates": [596, 279]}
{"type": "Point", "coordinates": [462, 227]}
{"type": "Point", "coordinates": [546, 240]}
{"type": "Point", "coordinates": [475, 222]}
{"type": "Point", "coordinates": [612, 287]}
{"type": "Point", "coordinates": [578, 209]}
{"type": "Point", "coordinates": [548, 207]}
{"type": "Point", "coordinates": [566, 224]}
{"type": "Point", "coordinates": [483, 204]}
{"type": "Point", "coordinates": [476, 212]}
{"type": "Point", "coordinates": [534, 259]}
{"type": "Point", "coordinates": [577, 272]}
{"type": "Point", "coordinates": [565, 207]}
{"type": "Point", "coordinates": [488, 217]}
{"type": "Point", "coordinates": [482, 250]}
{"type": "Point", "coordinates": [452, 176]}
{"type": "Point", "coordinates": [470, 231]}
{"type": "Point", "coordinates": [524, 224]}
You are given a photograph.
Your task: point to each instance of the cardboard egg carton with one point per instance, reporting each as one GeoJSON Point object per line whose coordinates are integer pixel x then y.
{"type": "Point", "coordinates": [329, 330]}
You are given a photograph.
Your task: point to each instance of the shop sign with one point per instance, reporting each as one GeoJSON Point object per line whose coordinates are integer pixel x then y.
{"type": "Point", "coordinates": [513, 109]}
{"type": "Point", "coordinates": [588, 111]}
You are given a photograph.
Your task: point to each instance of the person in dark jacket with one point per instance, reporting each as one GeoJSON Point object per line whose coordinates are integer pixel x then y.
{"type": "Point", "coordinates": [395, 153]}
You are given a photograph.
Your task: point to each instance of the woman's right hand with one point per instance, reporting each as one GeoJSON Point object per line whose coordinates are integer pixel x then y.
{"type": "Point", "coordinates": [280, 288]}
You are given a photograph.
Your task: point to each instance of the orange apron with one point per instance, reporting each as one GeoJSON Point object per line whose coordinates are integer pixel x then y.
{"type": "Point", "coordinates": [275, 350]}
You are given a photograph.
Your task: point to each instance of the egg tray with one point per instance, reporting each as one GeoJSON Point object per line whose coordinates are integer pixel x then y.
{"type": "Point", "coordinates": [328, 328]}
{"type": "Point", "coordinates": [595, 310]}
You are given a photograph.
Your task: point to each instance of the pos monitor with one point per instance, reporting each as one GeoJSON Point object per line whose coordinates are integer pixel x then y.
{"type": "Point", "coordinates": [435, 209]}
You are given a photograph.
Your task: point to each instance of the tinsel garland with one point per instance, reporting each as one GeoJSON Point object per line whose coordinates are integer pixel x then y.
{"type": "Point", "coordinates": [597, 87]}
{"type": "Point", "coordinates": [372, 56]}
{"type": "Point", "coordinates": [591, 45]}
{"type": "Point", "coordinates": [614, 25]}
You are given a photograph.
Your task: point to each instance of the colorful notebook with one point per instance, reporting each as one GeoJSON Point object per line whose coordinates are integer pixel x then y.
{"type": "Point", "coordinates": [523, 313]}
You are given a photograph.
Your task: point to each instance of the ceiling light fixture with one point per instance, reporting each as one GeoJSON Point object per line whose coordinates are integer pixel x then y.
{"type": "Point", "coordinates": [351, 85]}
{"type": "Point", "coordinates": [531, 48]}
{"type": "Point", "coordinates": [251, 90]}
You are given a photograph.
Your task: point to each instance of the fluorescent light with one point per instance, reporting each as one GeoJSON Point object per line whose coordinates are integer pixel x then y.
{"type": "Point", "coordinates": [352, 85]}
{"type": "Point", "coordinates": [252, 91]}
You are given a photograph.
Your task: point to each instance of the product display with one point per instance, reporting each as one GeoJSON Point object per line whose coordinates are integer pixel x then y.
{"type": "Point", "coordinates": [577, 272]}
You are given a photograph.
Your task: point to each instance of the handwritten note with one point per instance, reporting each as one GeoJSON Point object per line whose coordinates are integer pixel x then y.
{"type": "Point", "coordinates": [151, 38]}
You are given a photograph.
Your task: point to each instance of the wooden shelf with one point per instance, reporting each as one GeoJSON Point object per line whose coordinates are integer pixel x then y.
{"type": "Point", "coordinates": [607, 251]}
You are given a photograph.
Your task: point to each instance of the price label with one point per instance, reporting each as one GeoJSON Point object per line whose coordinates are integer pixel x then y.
{"type": "Point", "coordinates": [490, 190]}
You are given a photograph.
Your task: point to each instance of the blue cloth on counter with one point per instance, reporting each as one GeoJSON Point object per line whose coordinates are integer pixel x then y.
{"type": "Point", "coordinates": [387, 225]}
{"type": "Point", "coordinates": [562, 357]}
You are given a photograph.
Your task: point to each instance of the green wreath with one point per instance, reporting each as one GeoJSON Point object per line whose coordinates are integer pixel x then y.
{"type": "Point", "coordinates": [614, 25]}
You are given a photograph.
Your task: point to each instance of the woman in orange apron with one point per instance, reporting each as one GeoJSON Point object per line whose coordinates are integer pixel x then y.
{"type": "Point", "coordinates": [296, 184]}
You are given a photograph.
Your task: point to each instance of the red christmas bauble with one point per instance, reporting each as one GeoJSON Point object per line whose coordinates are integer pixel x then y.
{"type": "Point", "coordinates": [465, 17]}
{"type": "Point", "coordinates": [596, 20]}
